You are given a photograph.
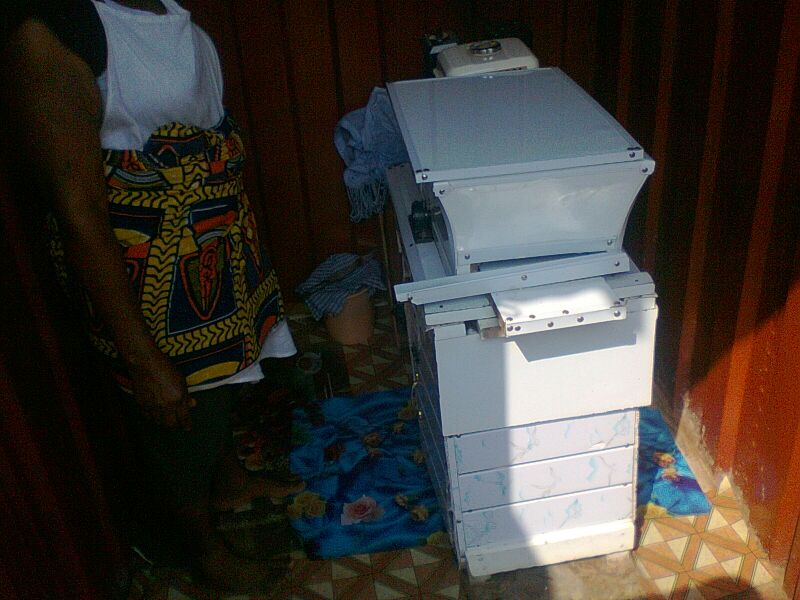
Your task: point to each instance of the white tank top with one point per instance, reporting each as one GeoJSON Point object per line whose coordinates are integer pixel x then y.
{"type": "Point", "coordinates": [160, 69]}
{"type": "Point", "coordinates": [141, 90]}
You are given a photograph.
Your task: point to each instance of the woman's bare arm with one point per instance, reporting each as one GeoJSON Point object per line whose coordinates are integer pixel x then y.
{"type": "Point", "coordinates": [57, 113]}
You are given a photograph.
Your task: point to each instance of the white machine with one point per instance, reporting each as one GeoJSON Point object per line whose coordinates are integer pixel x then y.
{"type": "Point", "coordinates": [531, 330]}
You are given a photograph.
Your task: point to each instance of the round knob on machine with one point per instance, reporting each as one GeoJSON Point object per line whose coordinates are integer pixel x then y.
{"type": "Point", "coordinates": [485, 48]}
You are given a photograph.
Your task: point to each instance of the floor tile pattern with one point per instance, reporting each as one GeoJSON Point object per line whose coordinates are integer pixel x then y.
{"type": "Point", "coordinates": [428, 572]}
{"type": "Point", "coordinates": [705, 557]}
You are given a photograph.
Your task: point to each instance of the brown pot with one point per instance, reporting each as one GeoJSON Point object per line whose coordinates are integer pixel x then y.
{"type": "Point", "coordinates": [355, 323]}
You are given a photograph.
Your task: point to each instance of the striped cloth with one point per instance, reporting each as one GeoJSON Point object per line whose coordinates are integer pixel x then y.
{"type": "Point", "coordinates": [339, 276]}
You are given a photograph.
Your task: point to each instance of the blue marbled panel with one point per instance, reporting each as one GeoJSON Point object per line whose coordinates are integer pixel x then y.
{"type": "Point", "coordinates": [531, 481]}
{"type": "Point", "coordinates": [542, 441]}
{"type": "Point", "coordinates": [517, 522]}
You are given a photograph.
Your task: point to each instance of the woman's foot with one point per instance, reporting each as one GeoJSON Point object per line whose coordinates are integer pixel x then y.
{"type": "Point", "coordinates": [235, 487]}
{"type": "Point", "coordinates": [220, 566]}
{"type": "Point", "coordinates": [228, 572]}
{"type": "Point", "coordinates": [255, 487]}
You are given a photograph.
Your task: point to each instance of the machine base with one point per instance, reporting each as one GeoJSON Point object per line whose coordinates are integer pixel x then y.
{"type": "Point", "coordinates": [551, 548]}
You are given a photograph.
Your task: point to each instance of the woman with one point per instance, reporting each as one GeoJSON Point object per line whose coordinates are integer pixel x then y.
{"type": "Point", "coordinates": [120, 110]}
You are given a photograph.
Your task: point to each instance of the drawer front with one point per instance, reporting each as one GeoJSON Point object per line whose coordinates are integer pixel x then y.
{"type": "Point", "coordinates": [541, 441]}
{"type": "Point", "coordinates": [532, 481]}
{"type": "Point", "coordinates": [505, 382]}
{"type": "Point", "coordinates": [518, 522]}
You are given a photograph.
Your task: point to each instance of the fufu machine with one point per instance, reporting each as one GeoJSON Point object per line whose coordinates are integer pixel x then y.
{"type": "Point", "coordinates": [531, 330]}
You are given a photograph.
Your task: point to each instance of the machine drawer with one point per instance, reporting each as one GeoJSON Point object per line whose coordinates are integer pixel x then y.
{"type": "Point", "coordinates": [543, 479]}
{"type": "Point", "coordinates": [521, 521]}
{"type": "Point", "coordinates": [541, 441]}
{"type": "Point", "coordinates": [495, 383]}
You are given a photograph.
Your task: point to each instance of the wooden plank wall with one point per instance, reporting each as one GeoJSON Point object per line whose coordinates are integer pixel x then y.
{"type": "Point", "coordinates": [717, 106]}
{"type": "Point", "coordinates": [718, 227]}
{"type": "Point", "coordinates": [294, 68]}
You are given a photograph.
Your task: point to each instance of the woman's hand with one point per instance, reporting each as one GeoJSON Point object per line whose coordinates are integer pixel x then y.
{"type": "Point", "coordinates": [160, 391]}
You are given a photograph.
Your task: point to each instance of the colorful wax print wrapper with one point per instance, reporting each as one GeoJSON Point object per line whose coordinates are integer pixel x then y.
{"type": "Point", "coordinates": [666, 484]}
{"type": "Point", "coordinates": [368, 488]}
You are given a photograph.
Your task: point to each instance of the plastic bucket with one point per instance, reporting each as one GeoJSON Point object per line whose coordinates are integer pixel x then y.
{"type": "Point", "coordinates": [355, 323]}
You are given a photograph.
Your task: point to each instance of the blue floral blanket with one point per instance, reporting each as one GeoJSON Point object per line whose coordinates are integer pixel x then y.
{"type": "Point", "coordinates": [367, 487]}
{"type": "Point", "coordinates": [666, 483]}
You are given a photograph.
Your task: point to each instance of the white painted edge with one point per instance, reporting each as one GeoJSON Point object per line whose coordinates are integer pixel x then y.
{"type": "Point", "coordinates": [551, 548]}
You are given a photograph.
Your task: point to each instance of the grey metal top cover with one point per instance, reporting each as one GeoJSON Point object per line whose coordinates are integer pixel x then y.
{"type": "Point", "coordinates": [505, 123]}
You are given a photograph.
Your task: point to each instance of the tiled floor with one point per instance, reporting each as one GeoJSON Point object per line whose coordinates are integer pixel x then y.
{"type": "Point", "coordinates": [711, 556]}
{"type": "Point", "coordinates": [707, 557]}
{"type": "Point", "coordinates": [426, 572]}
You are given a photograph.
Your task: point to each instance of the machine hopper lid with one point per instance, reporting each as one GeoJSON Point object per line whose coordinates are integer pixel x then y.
{"type": "Point", "coordinates": [505, 123]}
